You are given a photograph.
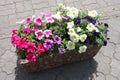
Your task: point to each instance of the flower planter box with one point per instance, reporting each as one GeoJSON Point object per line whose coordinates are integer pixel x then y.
{"type": "Point", "coordinates": [56, 60]}
{"type": "Point", "coordinates": [52, 40]}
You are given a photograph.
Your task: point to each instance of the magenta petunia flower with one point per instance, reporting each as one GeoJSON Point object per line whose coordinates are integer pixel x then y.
{"type": "Point", "coordinates": [35, 29]}
{"type": "Point", "coordinates": [57, 39]}
{"type": "Point", "coordinates": [47, 14]}
{"type": "Point", "coordinates": [47, 33]}
{"type": "Point", "coordinates": [15, 39]}
{"type": "Point", "coordinates": [38, 21]}
{"type": "Point", "coordinates": [48, 44]}
{"type": "Point", "coordinates": [28, 20]}
{"type": "Point", "coordinates": [30, 47]}
{"type": "Point", "coordinates": [26, 30]}
{"type": "Point", "coordinates": [31, 57]}
{"type": "Point", "coordinates": [21, 44]}
{"type": "Point", "coordinates": [41, 48]}
{"type": "Point", "coordinates": [39, 34]}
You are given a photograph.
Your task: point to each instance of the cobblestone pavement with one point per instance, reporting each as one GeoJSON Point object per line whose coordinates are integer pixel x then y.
{"type": "Point", "coordinates": [104, 66]}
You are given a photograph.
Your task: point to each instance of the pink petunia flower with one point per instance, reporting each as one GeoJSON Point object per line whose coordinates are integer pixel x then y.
{"type": "Point", "coordinates": [26, 30]}
{"type": "Point", "coordinates": [14, 31]}
{"type": "Point", "coordinates": [28, 20]}
{"type": "Point", "coordinates": [48, 44]}
{"type": "Point", "coordinates": [39, 34]}
{"type": "Point", "coordinates": [35, 29]}
{"type": "Point", "coordinates": [31, 57]}
{"type": "Point", "coordinates": [21, 43]}
{"type": "Point", "coordinates": [30, 47]}
{"type": "Point", "coordinates": [50, 20]}
{"type": "Point", "coordinates": [38, 21]}
{"type": "Point", "coordinates": [57, 39]}
{"type": "Point", "coordinates": [47, 33]}
{"type": "Point", "coordinates": [41, 48]}
{"type": "Point", "coordinates": [47, 14]}
{"type": "Point", "coordinates": [15, 39]}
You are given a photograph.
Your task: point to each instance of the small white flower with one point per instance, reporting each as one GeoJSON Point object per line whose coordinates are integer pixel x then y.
{"type": "Point", "coordinates": [61, 6]}
{"type": "Point", "coordinates": [72, 12]}
{"type": "Point", "coordinates": [20, 22]}
{"type": "Point", "coordinates": [92, 13]}
{"type": "Point", "coordinates": [74, 37]}
{"type": "Point", "coordinates": [70, 24]}
{"type": "Point", "coordinates": [90, 27]}
{"type": "Point", "coordinates": [57, 16]}
{"type": "Point", "coordinates": [78, 29]}
{"type": "Point", "coordinates": [83, 37]}
{"type": "Point", "coordinates": [70, 45]}
{"type": "Point", "coordinates": [71, 31]}
{"type": "Point", "coordinates": [96, 29]}
{"type": "Point", "coordinates": [82, 49]}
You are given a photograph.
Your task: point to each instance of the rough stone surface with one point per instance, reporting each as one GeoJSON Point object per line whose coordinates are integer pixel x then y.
{"type": "Point", "coordinates": [104, 66]}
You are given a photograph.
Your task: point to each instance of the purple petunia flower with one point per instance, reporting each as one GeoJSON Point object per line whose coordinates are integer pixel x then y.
{"type": "Point", "coordinates": [93, 21]}
{"type": "Point", "coordinates": [96, 33]}
{"type": "Point", "coordinates": [48, 43]}
{"type": "Point", "coordinates": [57, 39]}
{"type": "Point", "coordinates": [77, 21]}
{"type": "Point", "coordinates": [66, 17]}
{"type": "Point", "coordinates": [106, 25]}
{"type": "Point", "coordinates": [87, 39]}
{"type": "Point", "coordinates": [106, 31]}
{"type": "Point", "coordinates": [105, 42]}
{"type": "Point", "coordinates": [62, 24]}
{"type": "Point", "coordinates": [61, 50]}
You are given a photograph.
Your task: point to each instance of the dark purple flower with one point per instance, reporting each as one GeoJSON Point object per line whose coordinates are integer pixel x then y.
{"type": "Point", "coordinates": [61, 50]}
{"type": "Point", "coordinates": [106, 25]}
{"type": "Point", "coordinates": [105, 42]}
{"type": "Point", "coordinates": [57, 39]}
{"type": "Point", "coordinates": [108, 38]}
{"type": "Point", "coordinates": [62, 24]}
{"type": "Point", "coordinates": [48, 44]}
{"type": "Point", "coordinates": [66, 17]}
{"type": "Point", "coordinates": [87, 39]}
{"type": "Point", "coordinates": [90, 19]}
{"type": "Point", "coordinates": [77, 21]}
{"type": "Point", "coordinates": [105, 31]}
{"type": "Point", "coordinates": [96, 33]}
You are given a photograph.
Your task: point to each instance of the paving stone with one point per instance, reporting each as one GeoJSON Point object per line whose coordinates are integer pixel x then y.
{"type": "Point", "coordinates": [52, 3]}
{"type": "Point", "coordinates": [9, 6]}
{"type": "Point", "coordinates": [28, 5]}
{"type": "Point", "coordinates": [104, 68]}
{"type": "Point", "coordinates": [110, 77]}
{"type": "Point", "coordinates": [4, 19]}
{"type": "Point", "coordinates": [38, 12]}
{"type": "Point", "coordinates": [59, 1]}
{"type": "Point", "coordinates": [92, 6]}
{"type": "Point", "coordinates": [88, 2]}
{"type": "Point", "coordinates": [78, 5]}
{"type": "Point", "coordinates": [108, 50]}
{"type": "Point", "coordinates": [2, 2]}
{"type": "Point", "coordinates": [46, 10]}
{"type": "Point", "coordinates": [9, 67]}
{"type": "Point", "coordinates": [101, 3]}
{"type": "Point", "coordinates": [100, 76]}
{"type": "Point", "coordinates": [6, 45]}
{"type": "Point", "coordinates": [38, 1]}
{"type": "Point", "coordinates": [12, 19]}
{"type": "Point", "coordinates": [111, 2]}
{"type": "Point", "coordinates": [102, 59]}
{"type": "Point", "coordinates": [6, 12]}
{"type": "Point", "coordinates": [24, 14]}
{"type": "Point", "coordinates": [11, 77]}
{"type": "Point", "coordinates": [115, 68]}
{"type": "Point", "coordinates": [39, 6]}
{"type": "Point", "coordinates": [20, 7]}
{"type": "Point", "coordinates": [3, 75]}
{"type": "Point", "coordinates": [117, 54]}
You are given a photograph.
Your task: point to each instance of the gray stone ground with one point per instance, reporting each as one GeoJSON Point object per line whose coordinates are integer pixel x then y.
{"type": "Point", "coordinates": [104, 66]}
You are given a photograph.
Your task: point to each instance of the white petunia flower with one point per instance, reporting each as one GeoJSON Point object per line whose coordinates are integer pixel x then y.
{"type": "Point", "coordinates": [72, 12]}
{"type": "Point", "coordinates": [71, 31]}
{"type": "Point", "coordinates": [92, 13]}
{"type": "Point", "coordinates": [82, 49]}
{"type": "Point", "coordinates": [96, 29]}
{"type": "Point", "coordinates": [78, 29]}
{"type": "Point", "coordinates": [61, 6]}
{"type": "Point", "coordinates": [74, 37]}
{"type": "Point", "coordinates": [90, 27]}
{"type": "Point", "coordinates": [70, 24]}
{"type": "Point", "coordinates": [83, 37]}
{"type": "Point", "coordinates": [57, 16]}
{"type": "Point", "coordinates": [70, 45]}
{"type": "Point", "coordinates": [21, 22]}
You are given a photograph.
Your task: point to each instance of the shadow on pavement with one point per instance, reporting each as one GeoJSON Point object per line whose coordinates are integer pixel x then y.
{"type": "Point", "coordinates": [76, 71]}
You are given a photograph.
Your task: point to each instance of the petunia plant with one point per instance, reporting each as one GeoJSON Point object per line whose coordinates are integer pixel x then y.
{"type": "Point", "coordinates": [68, 29]}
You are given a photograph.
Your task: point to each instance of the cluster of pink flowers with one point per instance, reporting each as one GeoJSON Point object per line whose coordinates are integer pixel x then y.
{"type": "Point", "coordinates": [35, 48]}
